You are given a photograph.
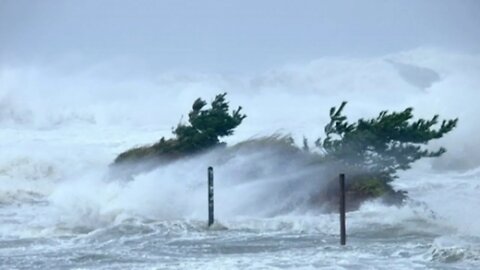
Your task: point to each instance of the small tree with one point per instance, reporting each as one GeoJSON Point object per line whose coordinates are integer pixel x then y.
{"type": "Point", "coordinates": [373, 150]}
{"type": "Point", "coordinates": [207, 126]}
{"type": "Point", "coordinates": [204, 129]}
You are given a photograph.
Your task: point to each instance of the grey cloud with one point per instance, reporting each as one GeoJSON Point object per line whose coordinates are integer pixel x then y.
{"type": "Point", "coordinates": [228, 36]}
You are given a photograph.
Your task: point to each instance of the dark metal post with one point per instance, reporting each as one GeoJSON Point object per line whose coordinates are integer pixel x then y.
{"type": "Point", "coordinates": [343, 234]}
{"type": "Point", "coordinates": [210, 196]}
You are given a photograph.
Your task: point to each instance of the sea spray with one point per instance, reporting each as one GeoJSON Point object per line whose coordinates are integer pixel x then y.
{"type": "Point", "coordinates": [59, 203]}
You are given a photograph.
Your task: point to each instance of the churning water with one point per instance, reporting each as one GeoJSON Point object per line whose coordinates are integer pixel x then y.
{"type": "Point", "coordinates": [59, 209]}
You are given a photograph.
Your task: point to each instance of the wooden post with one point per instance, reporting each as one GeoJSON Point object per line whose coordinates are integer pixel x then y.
{"type": "Point", "coordinates": [210, 196]}
{"type": "Point", "coordinates": [343, 235]}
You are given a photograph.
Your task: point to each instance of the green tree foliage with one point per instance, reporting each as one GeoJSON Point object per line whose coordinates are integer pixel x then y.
{"type": "Point", "coordinates": [369, 151]}
{"type": "Point", "coordinates": [373, 150]}
{"type": "Point", "coordinates": [204, 129]}
{"type": "Point", "coordinates": [206, 126]}
{"type": "Point", "coordinates": [388, 143]}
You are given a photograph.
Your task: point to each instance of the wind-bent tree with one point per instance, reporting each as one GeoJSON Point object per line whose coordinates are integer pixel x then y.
{"type": "Point", "coordinates": [369, 151]}
{"type": "Point", "coordinates": [204, 129]}
{"type": "Point", "coordinates": [373, 150]}
{"type": "Point", "coordinates": [207, 126]}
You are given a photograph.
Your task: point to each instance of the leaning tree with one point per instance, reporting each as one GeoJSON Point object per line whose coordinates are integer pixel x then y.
{"type": "Point", "coordinates": [204, 129]}
{"type": "Point", "coordinates": [373, 150]}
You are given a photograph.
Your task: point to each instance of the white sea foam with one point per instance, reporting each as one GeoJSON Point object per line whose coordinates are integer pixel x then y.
{"type": "Point", "coordinates": [61, 131]}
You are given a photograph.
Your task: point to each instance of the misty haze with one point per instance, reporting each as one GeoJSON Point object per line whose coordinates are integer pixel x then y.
{"type": "Point", "coordinates": [112, 111]}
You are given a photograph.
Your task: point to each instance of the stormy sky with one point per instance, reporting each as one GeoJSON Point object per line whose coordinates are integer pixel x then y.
{"type": "Point", "coordinates": [227, 36]}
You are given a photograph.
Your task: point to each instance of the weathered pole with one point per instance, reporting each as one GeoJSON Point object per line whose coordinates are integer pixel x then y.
{"type": "Point", "coordinates": [343, 234]}
{"type": "Point", "coordinates": [210, 196]}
